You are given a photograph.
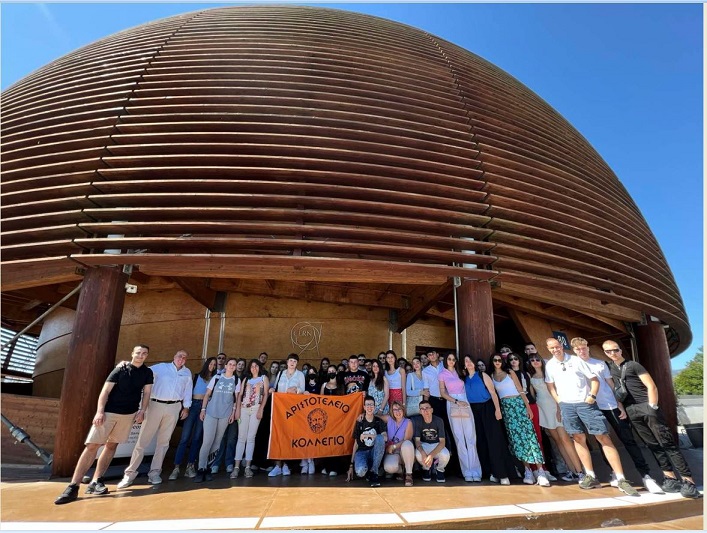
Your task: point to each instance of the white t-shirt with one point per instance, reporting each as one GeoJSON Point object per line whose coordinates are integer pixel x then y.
{"type": "Point", "coordinates": [572, 382]}
{"type": "Point", "coordinates": [605, 396]}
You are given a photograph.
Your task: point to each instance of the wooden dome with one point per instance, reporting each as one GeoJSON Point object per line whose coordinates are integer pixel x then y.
{"type": "Point", "coordinates": [303, 143]}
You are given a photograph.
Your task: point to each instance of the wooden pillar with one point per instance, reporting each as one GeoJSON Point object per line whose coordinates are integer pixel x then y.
{"type": "Point", "coordinates": [654, 355]}
{"type": "Point", "coordinates": [92, 352]}
{"type": "Point", "coordinates": [475, 315]}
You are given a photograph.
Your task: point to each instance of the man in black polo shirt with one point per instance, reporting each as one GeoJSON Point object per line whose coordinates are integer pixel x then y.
{"type": "Point", "coordinates": [641, 405]}
{"type": "Point", "coordinates": [119, 406]}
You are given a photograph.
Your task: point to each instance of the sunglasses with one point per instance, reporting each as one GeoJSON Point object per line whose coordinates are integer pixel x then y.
{"type": "Point", "coordinates": [513, 359]}
{"type": "Point", "coordinates": [534, 360]}
{"type": "Point", "coordinates": [615, 350]}
{"type": "Point", "coordinates": [497, 360]}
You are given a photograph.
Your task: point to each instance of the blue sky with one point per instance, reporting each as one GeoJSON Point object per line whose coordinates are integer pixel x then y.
{"type": "Point", "coordinates": [627, 76]}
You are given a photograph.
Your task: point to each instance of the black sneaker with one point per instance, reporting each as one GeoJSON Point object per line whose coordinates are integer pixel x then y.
{"type": "Point", "coordinates": [70, 494]}
{"type": "Point", "coordinates": [440, 477]}
{"type": "Point", "coordinates": [670, 484]}
{"type": "Point", "coordinates": [200, 476]}
{"type": "Point", "coordinates": [375, 481]}
{"type": "Point", "coordinates": [688, 490]}
{"type": "Point", "coordinates": [97, 487]}
{"type": "Point", "coordinates": [426, 475]}
{"type": "Point", "coordinates": [208, 475]}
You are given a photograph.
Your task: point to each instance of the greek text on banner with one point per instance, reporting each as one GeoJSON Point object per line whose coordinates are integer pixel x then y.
{"type": "Point", "coordinates": [305, 426]}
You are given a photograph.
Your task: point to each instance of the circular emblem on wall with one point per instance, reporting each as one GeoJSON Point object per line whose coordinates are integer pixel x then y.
{"type": "Point", "coordinates": [305, 336]}
{"type": "Point", "coordinates": [317, 419]}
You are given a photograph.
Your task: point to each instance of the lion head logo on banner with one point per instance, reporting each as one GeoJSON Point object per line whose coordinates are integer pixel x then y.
{"type": "Point", "coordinates": [317, 419]}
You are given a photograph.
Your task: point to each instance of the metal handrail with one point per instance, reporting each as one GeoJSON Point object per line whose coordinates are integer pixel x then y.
{"type": "Point", "coordinates": [20, 435]}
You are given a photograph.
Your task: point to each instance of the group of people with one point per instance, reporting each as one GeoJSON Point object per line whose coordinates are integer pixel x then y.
{"type": "Point", "coordinates": [495, 412]}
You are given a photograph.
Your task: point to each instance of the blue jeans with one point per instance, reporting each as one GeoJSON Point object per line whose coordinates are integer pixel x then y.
{"type": "Point", "coordinates": [192, 430]}
{"type": "Point", "coordinates": [227, 448]}
{"type": "Point", "coordinates": [371, 458]}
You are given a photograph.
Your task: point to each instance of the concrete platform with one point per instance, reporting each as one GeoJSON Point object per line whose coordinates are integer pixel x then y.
{"type": "Point", "coordinates": [320, 502]}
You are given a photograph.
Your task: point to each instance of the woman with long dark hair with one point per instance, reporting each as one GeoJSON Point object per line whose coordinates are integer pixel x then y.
{"type": "Point", "coordinates": [396, 379]}
{"type": "Point", "coordinates": [217, 411]}
{"type": "Point", "coordinates": [413, 388]}
{"type": "Point", "coordinates": [491, 442]}
{"type": "Point", "coordinates": [451, 388]}
{"type": "Point", "coordinates": [251, 405]}
{"type": "Point", "coordinates": [193, 428]}
{"type": "Point", "coordinates": [378, 388]}
{"type": "Point", "coordinates": [517, 416]}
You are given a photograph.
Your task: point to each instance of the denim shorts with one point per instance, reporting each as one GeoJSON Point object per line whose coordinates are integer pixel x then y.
{"type": "Point", "coordinates": [578, 416]}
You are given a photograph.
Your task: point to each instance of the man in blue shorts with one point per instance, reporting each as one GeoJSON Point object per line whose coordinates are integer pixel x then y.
{"type": "Point", "coordinates": [574, 386]}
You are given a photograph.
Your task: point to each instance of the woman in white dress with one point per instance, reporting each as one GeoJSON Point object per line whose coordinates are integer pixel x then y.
{"type": "Point", "coordinates": [551, 419]}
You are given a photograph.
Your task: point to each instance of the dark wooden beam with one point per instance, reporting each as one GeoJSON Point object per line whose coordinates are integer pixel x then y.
{"type": "Point", "coordinates": [555, 313]}
{"type": "Point", "coordinates": [421, 299]}
{"type": "Point", "coordinates": [356, 294]}
{"type": "Point", "coordinates": [198, 289]}
{"type": "Point", "coordinates": [92, 351]}
{"type": "Point", "coordinates": [476, 319]}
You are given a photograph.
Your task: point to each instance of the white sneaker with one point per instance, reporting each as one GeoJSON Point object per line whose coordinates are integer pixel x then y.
{"type": "Point", "coordinates": [229, 469]}
{"type": "Point", "coordinates": [324, 472]}
{"type": "Point", "coordinates": [310, 467]}
{"type": "Point", "coordinates": [529, 479]}
{"type": "Point", "coordinates": [493, 479]}
{"type": "Point", "coordinates": [191, 471]}
{"type": "Point", "coordinates": [652, 486]}
{"type": "Point", "coordinates": [285, 470]}
{"type": "Point", "coordinates": [175, 474]}
{"type": "Point", "coordinates": [276, 471]}
{"type": "Point", "coordinates": [549, 476]}
{"type": "Point", "coordinates": [505, 481]}
{"type": "Point", "coordinates": [214, 469]}
{"type": "Point", "coordinates": [126, 481]}
{"type": "Point", "coordinates": [468, 479]}
{"type": "Point", "coordinates": [542, 479]}
{"type": "Point", "coordinates": [613, 481]}
{"type": "Point", "coordinates": [304, 470]}
{"type": "Point", "coordinates": [333, 474]}
{"type": "Point", "coordinates": [154, 479]}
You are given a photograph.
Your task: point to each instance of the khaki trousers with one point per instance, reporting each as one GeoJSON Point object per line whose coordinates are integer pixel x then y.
{"type": "Point", "coordinates": [160, 420]}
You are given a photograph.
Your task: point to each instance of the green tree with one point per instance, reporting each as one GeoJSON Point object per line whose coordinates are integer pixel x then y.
{"type": "Point", "coordinates": [691, 379]}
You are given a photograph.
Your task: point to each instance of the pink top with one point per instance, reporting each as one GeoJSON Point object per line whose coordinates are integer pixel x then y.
{"type": "Point", "coordinates": [451, 381]}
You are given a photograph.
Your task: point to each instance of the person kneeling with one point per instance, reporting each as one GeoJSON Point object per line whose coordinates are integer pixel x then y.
{"type": "Point", "coordinates": [430, 452]}
{"type": "Point", "coordinates": [370, 436]}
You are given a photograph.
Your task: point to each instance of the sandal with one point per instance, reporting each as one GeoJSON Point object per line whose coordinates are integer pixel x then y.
{"type": "Point", "coordinates": [408, 480]}
{"type": "Point", "coordinates": [235, 472]}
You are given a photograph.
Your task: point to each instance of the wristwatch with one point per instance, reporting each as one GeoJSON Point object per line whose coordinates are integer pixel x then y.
{"type": "Point", "coordinates": [593, 396]}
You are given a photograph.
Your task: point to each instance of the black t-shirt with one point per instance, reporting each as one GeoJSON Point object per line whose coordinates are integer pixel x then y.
{"type": "Point", "coordinates": [356, 381]}
{"type": "Point", "coordinates": [124, 398]}
{"type": "Point", "coordinates": [374, 428]}
{"type": "Point", "coordinates": [430, 433]}
{"type": "Point", "coordinates": [637, 391]}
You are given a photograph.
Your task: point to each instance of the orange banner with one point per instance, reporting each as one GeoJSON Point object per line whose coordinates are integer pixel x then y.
{"type": "Point", "coordinates": [306, 426]}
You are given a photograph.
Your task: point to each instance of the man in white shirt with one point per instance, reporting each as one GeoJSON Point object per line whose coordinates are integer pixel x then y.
{"type": "Point", "coordinates": [574, 387]}
{"type": "Point", "coordinates": [615, 414]}
{"type": "Point", "coordinates": [170, 400]}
